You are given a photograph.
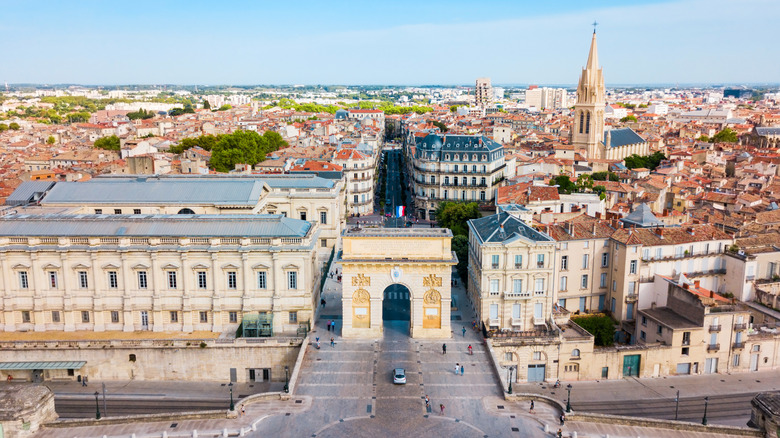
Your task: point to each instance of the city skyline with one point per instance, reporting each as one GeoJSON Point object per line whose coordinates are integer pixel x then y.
{"type": "Point", "coordinates": [681, 42]}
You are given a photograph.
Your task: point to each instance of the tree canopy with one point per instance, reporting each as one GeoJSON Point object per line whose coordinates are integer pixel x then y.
{"type": "Point", "coordinates": [140, 114]}
{"type": "Point", "coordinates": [442, 127]}
{"type": "Point", "coordinates": [454, 215]}
{"type": "Point", "coordinates": [206, 142]}
{"type": "Point", "coordinates": [50, 140]}
{"type": "Point", "coordinates": [3, 127]}
{"type": "Point", "coordinates": [648, 161]}
{"type": "Point", "coordinates": [108, 143]}
{"type": "Point", "coordinates": [725, 136]}
{"type": "Point", "coordinates": [247, 147]}
{"type": "Point", "coordinates": [629, 118]}
{"type": "Point", "coordinates": [564, 183]}
{"type": "Point", "coordinates": [605, 176]}
{"type": "Point", "coordinates": [206, 104]}
{"type": "Point", "coordinates": [602, 327]}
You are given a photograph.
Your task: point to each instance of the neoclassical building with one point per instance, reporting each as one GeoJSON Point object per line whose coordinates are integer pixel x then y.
{"type": "Point", "coordinates": [359, 171]}
{"type": "Point", "coordinates": [156, 272]}
{"type": "Point", "coordinates": [454, 168]}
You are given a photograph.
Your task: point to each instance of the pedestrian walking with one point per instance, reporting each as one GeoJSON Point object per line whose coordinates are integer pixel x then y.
{"type": "Point", "coordinates": [462, 370]}
{"type": "Point", "coordinates": [457, 368]}
{"type": "Point", "coordinates": [444, 348]}
{"type": "Point", "coordinates": [442, 409]}
{"type": "Point", "coordinates": [464, 332]}
{"type": "Point", "coordinates": [333, 326]}
{"type": "Point", "coordinates": [333, 344]}
{"type": "Point", "coordinates": [471, 352]}
{"type": "Point", "coordinates": [427, 403]}
{"type": "Point", "coordinates": [531, 411]}
{"type": "Point", "coordinates": [563, 419]}
{"type": "Point", "coordinates": [84, 381]}
{"type": "Point", "coordinates": [329, 321]}
{"type": "Point", "coordinates": [243, 411]}
{"type": "Point", "coordinates": [560, 433]}
{"type": "Point", "coordinates": [322, 302]}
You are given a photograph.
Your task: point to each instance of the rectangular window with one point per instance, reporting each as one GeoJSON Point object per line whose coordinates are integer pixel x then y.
{"type": "Point", "coordinates": [114, 316]}
{"type": "Point", "coordinates": [117, 211]}
{"type": "Point", "coordinates": [52, 279]}
{"type": "Point", "coordinates": [564, 263]}
{"type": "Point", "coordinates": [23, 281]}
{"type": "Point", "coordinates": [232, 280]}
{"type": "Point", "coordinates": [632, 267]}
{"type": "Point", "coordinates": [292, 280]}
{"type": "Point", "coordinates": [171, 279]}
{"type": "Point", "coordinates": [539, 285]}
{"type": "Point", "coordinates": [493, 286]}
{"type": "Point", "coordinates": [142, 280]}
{"type": "Point", "coordinates": [686, 338]}
{"type": "Point", "coordinates": [174, 316]}
{"type": "Point", "coordinates": [584, 282]}
{"type": "Point", "coordinates": [538, 310]}
{"type": "Point", "coordinates": [614, 285]}
{"type": "Point", "coordinates": [658, 253]}
{"type": "Point", "coordinates": [55, 316]}
{"type": "Point", "coordinates": [84, 316]}
{"type": "Point", "coordinates": [613, 305]}
{"type": "Point", "coordinates": [303, 215]}
{"type": "Point", "coordinates": [83, 280]}
{"type": "Point", "coordinates": [646, 254]}
{"type": "Point", "coordinates": [642, 335]}
{"type": "Point", "coordinates": [261, 283]}
{"type": "Point", "coordinates": [537, 355]}
{"type": "Point", "coordinates": [586, 244]}
{"type": "Point", "coordinates": [563, 283]}
{"type": "Point", "coordinates": [293, 317]}
{"type": "Point", "coordinates": [494, 261]}
{"type": "Point", "coordinates": [518, 285]}
{"type": "Point", "coordinates": [644, 320]}
{"type": "Point", "coordinates": [202, 283]}
{"type": "Point", "coordinates": [605, 260]}
{"type": "Point", "coordinates": [516, 311]}
{"type": "Point", "coordinates": [518, 261]}
{"type": "Point", "coordinates": [136, 211]}
{"type": "Point", "coordinates": [631, 287]}
{"type": "Point", "coordinates": [204, 317]}
{"type": "Point", "coordinates": [540, 260]}
{"type": "Point", "coordinates": [98, 211]}
{"type": "Point", "coordinates": [26, 316]}
{"type": "Point", "coordinates": [685, 351]}
{"type": "Point", "coordinates": [494, 311]}
{"type": "Point", "coordinates": [603, 280]}
{"type": "Point", "coordinates": [324, 217]}
{"type": "Point", "coordinates": [604, 372]}
{"type": "Point", "coordinates": [233, 317]}
{"type": "Point", "coordinates": [585, 261]}
{"type": "Point", "coordinates": [736, 360]}
{"type": "Point", "coordinates": [113, 281]}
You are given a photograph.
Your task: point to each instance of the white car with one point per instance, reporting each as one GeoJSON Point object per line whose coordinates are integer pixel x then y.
{"type": "Point", "coordinates": [399, 376]}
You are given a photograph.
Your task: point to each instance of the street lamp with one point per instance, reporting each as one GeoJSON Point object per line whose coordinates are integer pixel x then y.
{"type": "Point", "coordinates": [286, 380]}
{"type": "Point", "coordinates": [97, 406]}
{"type": "Point", "coordinates": [704, 419]}
{"type": "Point", "coordinates": [568, 398]}
{"type": "Point", "coordinates": [232, 405]}
{"type": "Point", "coordinates": [676, 405]}
{"type": "Point", "coordinates": [511, 370]}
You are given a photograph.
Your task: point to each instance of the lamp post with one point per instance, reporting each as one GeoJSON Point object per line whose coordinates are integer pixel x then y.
{"type": "Point", "coordinates": [676, 405]}
{"type": "Point", "coordinates": [286, 380]}
{"type": "Point", "coordinates": [704, 419]}
{"type": "Point", "coordinates": [511, 370]}
{"type": "Point", "coordinates": [97, 406]}
{"type": "Point", "coordinates": [232, 405]}
{"type": "Point", "coordinates": [568, 398]}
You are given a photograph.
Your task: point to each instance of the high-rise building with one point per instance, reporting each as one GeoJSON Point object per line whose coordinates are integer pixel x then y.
{"type": "Point", "coordinates": [483, 92]}
{"type": "Point", "coordinates": [547, 98]}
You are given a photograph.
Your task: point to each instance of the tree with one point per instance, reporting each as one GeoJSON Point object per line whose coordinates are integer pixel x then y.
{"type": "Point", "coordinates": [725, 136]}
{"type": "Point", "coordinates": [454, 216]}
{"type": "Point", "coordinates": [629, 118]}
{"type": "Point", "coordinates": [605, 176]}
{"type": "Point", "coordinates": [602, 327]}
{"type": "Point", "coordinates": [206, 104]}
{"type": "Point", "coordinates": [224, 107]}
{"type": "Point", "coordinates": [442, 127]}
{"type": "Point", "coordinates": [648, 162]}
{"type": "Point", "coordinates": [108, 143]}
{"type": "Point", "coordinates": [601, 190]}
{"type": "Point", "coordinates": [243, 147]}
{"type": "Point", "coordinates": [460, 244]}
{"type": "Point", "coordinates": [14, 126]}
{"type": "Point", "coordinates": [564, 184]}
{"type": "Point", "coordinates": [3, 127]}
{"type": "Point", "coordinates": [584, 183]}
{"type": "Point", "coordinates": [140, 114]}
{"type": "Point", "coordinates": [704, 138]}
{"type": "Point", "coordinates": [50, 140]}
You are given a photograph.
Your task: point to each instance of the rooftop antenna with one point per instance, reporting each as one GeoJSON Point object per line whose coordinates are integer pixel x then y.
{"type": "Point", "coordinates": [595, 23]}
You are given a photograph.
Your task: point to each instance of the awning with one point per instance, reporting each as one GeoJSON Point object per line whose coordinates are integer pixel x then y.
{"type": "Point", "coordinates": [63, 365]}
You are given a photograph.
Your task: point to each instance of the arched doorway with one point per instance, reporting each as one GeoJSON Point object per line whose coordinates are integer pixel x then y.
{"type": "Point", "coordinates": [396, 303]}
{"type": "Point", "coordinates": [186, 211]}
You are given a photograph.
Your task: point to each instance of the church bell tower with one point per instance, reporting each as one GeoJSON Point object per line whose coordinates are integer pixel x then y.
{"type": "Point", "coordinates": [588, 133]}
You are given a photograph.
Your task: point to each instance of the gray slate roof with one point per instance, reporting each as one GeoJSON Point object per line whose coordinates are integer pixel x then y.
{"type": "Point", "coordinates": [488, 229]}
{"type": "Point", "coordinates": [457, 143]}
{"type": "Point", "coordinates": [99, 225]}
{"type": "Point", "coordinates": [642, 217]}
{"type": "Point", "coordinates": [28, 192]}
{"type": "Point", "coordinates": [622, 137]}
{"type": "Point", "coordinates": [767, 131]}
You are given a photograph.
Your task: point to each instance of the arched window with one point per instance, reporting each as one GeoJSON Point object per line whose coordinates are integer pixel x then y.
{"type": "Point", "coordinates": [575, 352]}
{"type": "Point", "coordinates": [587, 124]}
{"type": "Point", "coordinates": [186, 211]}
{"type": "Point", "coordinates": [582, 120]}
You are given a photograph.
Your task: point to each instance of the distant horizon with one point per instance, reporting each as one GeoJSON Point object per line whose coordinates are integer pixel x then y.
{"type": "Point", "coordinates": [660, 42]}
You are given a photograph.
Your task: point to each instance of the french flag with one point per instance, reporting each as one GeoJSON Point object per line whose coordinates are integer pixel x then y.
{"type": "Point", "coordinates": [399, 211]}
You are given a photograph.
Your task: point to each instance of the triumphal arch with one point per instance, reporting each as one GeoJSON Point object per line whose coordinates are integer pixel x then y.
{"type": "Point", "coordinates": [377, 260]}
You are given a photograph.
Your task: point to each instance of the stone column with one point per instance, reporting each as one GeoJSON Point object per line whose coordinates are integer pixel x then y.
{"type": "Point", "coordinates": [37, 286]}
{"type": "Point", "coordinates": [98, 302]}
{"type": "Point", "coordinates": [246, 275]}
{"type": "Point", "coordinates": [67, 300]}
{"type": "Point", "coordinates": [127, 299]}
{"type": "Point", "coordinates": [8, 299]}
{"type": "Point", "coordinates": [278, 283]}
{"type": "Point", "coordinates": [153, 277]}
{"type": "Point", "coordinates": [217, 297]}
{"type": "Point", "coordinates": [186, 298]}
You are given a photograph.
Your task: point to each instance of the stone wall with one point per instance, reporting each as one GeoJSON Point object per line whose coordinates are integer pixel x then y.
{"type": "Point", "coordinates": [24, 408]}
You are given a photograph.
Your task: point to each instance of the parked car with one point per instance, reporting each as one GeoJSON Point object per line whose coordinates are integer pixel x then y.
{"type": "Point", "coordinates": [399, 376]}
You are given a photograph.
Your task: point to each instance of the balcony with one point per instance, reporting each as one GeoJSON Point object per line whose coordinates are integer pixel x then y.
{"type": "Point", "coordinates": [494, 266]}
{"type": "Point", "coordinates": [517, 322]}
{"type": "Point", "coordinates": [517, 295]}
{"type": "Point", "coordinates": [494, 293]}
{"type": "Point", "coordinates": [715, 328]}
{"type": "Point", "coordinates": [632, 298]}
{"type": "Point", "coordinates": [540, 264]}
{"type": "Point", "coordinates": [494, 322]}
{"type": "Point", "coordinates": [360, 190]}
{"type": "Point", "coordinates": [713, 347]}
{"type": "Point", "coordinates": [539, 293]}
{"type": "Point", "coordinates": [738, 346]}
{"type": "Point", "coordinates": [740, 327]}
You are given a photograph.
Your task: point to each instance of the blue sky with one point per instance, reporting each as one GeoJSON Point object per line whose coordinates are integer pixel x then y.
{"type": "Point", "coordinates": [386, 42]}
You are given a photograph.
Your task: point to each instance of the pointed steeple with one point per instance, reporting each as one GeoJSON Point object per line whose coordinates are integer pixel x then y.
{"type": "Point", "coordinates": [593, 56]}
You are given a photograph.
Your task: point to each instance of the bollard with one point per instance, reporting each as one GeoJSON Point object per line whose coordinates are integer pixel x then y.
{"type": "Point", "coordinates": [574, 434]}
{"type": "Point", "coordinates": [546, 428]}
{"type": "Point", "coordinates": [165, 434]}
{"type": "Point", "coordinates": [132, 436]}
{"type": "Point", "coordinates": [194, 434]}
{"type": "Point", "coordinates": [254, 427]}
{"type": "Point", "coordinates": [224, 433]}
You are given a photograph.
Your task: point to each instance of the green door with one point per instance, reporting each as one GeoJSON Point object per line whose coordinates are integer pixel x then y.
{"type": "Point", "coordinates": [631, 365]}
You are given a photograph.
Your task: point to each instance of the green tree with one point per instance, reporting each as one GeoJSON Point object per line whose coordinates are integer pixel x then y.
{"type": "Point", "coordinates": [704, 138]}
{"type": "Point", "coordinates": [140, 114]}
{"type": "Point", "coordinates": [605, 176]}
{"type": "Point", "coordinates": [243, 147]}
{"type": "Point", "coordinates": [648, 161]}
{"type": "Point", "coordinates": [460, 244]}
{"type": "Point", "coordinates": [440, 125]}
{"type": "Point", "coordinates": [725, 136]}
{"type": "Point", "coordinates": [629, 118]}
{"type": "Point", "coordinates": [564, 184]}
{"type": "Point", "coordinates": [206, 104]}
{"type": "Point", "coordinates": [50, 140]}
{"type": "Point", "coordinates": [584, 183]}
{"type": "Point", "coordinates": [601, 190]}
{"type": "Point", "coordinates": [602, 327]}
{"type": "Point", "coordinates": [224, 107]}
{"type": "Point", "coordinates": [14, 126]}
{"type": "Point", "coordinates": [3, 127]}
{"type": "Point", "coordinates": [454, 215]}
{"type": "Point", "coordinates": [108, 143]}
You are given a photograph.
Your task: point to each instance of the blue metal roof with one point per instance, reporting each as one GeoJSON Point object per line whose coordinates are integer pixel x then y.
{"type": "Point", "coordinates": [28, 192]}
{"type": "Point", "coordinates": [622, 137]}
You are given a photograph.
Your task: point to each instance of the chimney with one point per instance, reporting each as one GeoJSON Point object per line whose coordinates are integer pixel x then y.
{"type": "Point", "coordinates": [712, 294]}
{"type": "Point", "coordinates": [696, 283]}
{"type": "Point", "coordinates": [659, 231]}
{"type": "Point", "coordinates": [598, 215]}
{"type": "Point", "coordinates": [686, 286]}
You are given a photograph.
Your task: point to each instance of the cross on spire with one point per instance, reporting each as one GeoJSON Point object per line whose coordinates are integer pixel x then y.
{"type": "Point", "coordinates": [595, 23]}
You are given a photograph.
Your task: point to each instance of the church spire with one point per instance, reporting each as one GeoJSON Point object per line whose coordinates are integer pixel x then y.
{"type": "Point", "coordinates": [593, 56]}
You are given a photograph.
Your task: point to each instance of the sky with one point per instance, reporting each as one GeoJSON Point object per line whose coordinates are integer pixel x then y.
{"type": "Point", "coordinates": [401, 42]}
